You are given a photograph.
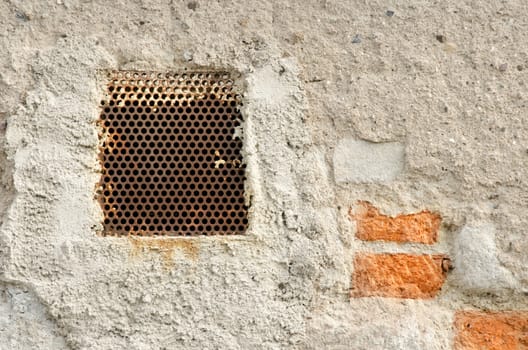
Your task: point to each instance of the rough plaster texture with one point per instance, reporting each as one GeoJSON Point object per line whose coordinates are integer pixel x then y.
{"type": "Point", "coordinates": [316, 72]}
{"type": "Point", "coordinates": [24, 323]}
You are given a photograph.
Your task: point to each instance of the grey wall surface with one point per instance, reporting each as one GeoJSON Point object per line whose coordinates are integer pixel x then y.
{"type": "Point", "coordinates": [429, 100]}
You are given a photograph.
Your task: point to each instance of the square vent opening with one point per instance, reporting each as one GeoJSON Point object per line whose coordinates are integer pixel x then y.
{"type": "Point", "coordinates": [171, 155]}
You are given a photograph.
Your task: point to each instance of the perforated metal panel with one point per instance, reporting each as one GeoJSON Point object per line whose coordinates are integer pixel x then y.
{"type": "Point", "coordinates": [171, 158]}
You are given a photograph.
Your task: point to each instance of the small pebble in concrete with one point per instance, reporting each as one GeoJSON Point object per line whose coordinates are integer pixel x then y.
{"type": "Point", "coordinates": [187, 55]}
{"type": "Point", "coordinates": [503, 67]}
{"type": "Point", "coordinates": [21, 16]}
{"type": "Point", "coordinates": [389, 13]}
{"type": "Point", "coordinates": [356, 40]}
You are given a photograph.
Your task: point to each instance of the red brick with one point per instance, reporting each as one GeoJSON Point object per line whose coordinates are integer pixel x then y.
{"type": "Point", "coordinates": [398, 275]}
{"type": "Point", "coordinates": [479, 330]}
{"type": "Point", "coordinates": [420, 227]}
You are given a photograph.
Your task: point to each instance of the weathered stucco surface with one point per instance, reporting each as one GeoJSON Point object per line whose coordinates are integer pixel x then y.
{"type": "Point", "coordinates": [445, 80]}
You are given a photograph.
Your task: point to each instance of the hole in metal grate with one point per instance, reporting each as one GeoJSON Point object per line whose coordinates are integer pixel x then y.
{"type": "Point", "coordinates": [171, 160]}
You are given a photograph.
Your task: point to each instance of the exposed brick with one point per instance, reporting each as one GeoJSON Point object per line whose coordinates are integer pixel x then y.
{"type": "Point", "coordinates": [478, 330]}
{"type": "Point", "coordinates": [420, 227]}
{"type": "Point", "coordinates": [398, 275]}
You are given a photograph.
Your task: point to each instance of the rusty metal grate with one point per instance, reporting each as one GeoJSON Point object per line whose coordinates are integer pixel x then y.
{"type": "Point", "coordinates": [171, 155]}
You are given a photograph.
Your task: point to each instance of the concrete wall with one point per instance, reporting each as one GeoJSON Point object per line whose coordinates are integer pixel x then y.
{"type": "Point", "coordinates": [365, 121]}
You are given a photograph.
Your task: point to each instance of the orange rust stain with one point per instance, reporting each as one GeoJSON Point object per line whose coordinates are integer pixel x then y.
{"type": "Point", "coordinates": [398, 275]}
{"type": "Point", "coordinates": [420, 227]}
{"type": "Point", "coordinates": [479, 330]}
{"type": "Point", "coordinates": [166, 247]}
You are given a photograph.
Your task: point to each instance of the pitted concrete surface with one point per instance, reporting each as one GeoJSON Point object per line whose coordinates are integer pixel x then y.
{"type": "Point", "coordinates": [446, 80]}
